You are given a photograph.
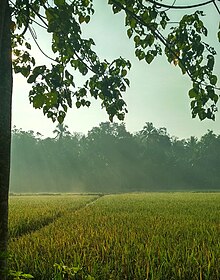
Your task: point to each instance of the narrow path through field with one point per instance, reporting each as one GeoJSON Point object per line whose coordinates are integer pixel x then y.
{"type": "Point", "coordinates": [43, 223]}
{"type": "Point", "coordinates": [92, 201]}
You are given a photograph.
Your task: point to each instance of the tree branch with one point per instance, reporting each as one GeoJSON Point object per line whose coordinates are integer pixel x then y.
{"type": "Point", "coordinates": [156, 33]}
{"type": "Point", "coordinates": [167, 9]}
{"type": "Point", "coordinates": [162, 39]}
{"type": "Point", "coordinates": [27, 17]}
{"type": "Point", "coordinates": [179, 7]}
{"type": "Point", "coordinates": [35, 40]}
{"type": "Point", "coordinates": [39, 16]}
{"type": "Point", "coordinates": [217, 8]}
{"type": "Point", "coordinates": [87, 66]}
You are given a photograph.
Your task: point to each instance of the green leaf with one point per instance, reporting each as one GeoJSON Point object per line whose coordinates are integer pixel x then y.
{"type": "Point", "coordinates": [78, 104]}
{"type": "Point", "coordinates": [39, 70]}
{"type": "Point", "coordinates": [215, 98]}
{"type": "Point", "coordinates": [211, 93]}
{"type": "Point", "coordinates": [116, 9]}
{"type": "Point", "coordinates": [140, 54]}
{"type": "Point", "coordinates": [182, 67]}
{"type": "Point", "coordinates": [123, 73]}
{"type": "Point", "coordinates": [211, 61]}
{"type": "Point", "coordinates": [219, 36]}
{"type": "Point", "coordinates": [121, 117]}
{"type": "Point", "coordinates": [192, 93]}
{"type": "Point", "coordinates": [87, 103]}
{"type": "Point", "coordinates": [38, 101]}
{"type": "Point", "coordinates": [202, 114]}
{"type": "Point", "coordinates": [213, 79]}
{"type": "Point", "coordinates": [163, 23]}
{"type": "Point", "coordinates": [129, 32]}
{"type": "Point", "coordinates": [31, 79]}
{"type": "Point", "coordinates": [28, 46]}
{"type": "Point", "coordinates": [133, 23]}
{"type": "Point", "coordinates": [192, 104]}
{"type": "Point", "coordinates": [25, 71]}
{"type": "Point", "coordinates": [49, 15]}
{"type": "Point", "coordinates": [149, 58]}
{"type": "Point", "coordinates": [59, 2]}
{"type": "Point", "coordinates": [87, 19]}
{"type": "Point", "coordinates": [145, 16]}
{"type": "Point", "coordinates": [82, 92]}
{"type": "Point", "coordinates": [81, 19]}
{"type": "Point", "coordinates": [86, 3]}
{"type": "Point", "coordinates": [36, 72]}
{"type": "Point", "coordinates": [60, 119]}
{"type": "Point", "coordinates": [50, 114]}
{"type": "Point", "coordinates": [150, 39]}
{"type": "Point", "coordinates": [52, 98]}
{"type": "Point", "coordinates": [137, 39]}
{"type": "Point", "coordinates": [153, 14]}
{"type": "Point", "coordinates": [127, 82]}
{"type": "Point", "coordinates": [27, 276]}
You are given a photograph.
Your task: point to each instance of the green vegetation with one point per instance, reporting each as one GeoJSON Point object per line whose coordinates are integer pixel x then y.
{"type": "Point", "coordinates": [53, 87]}
{"type": "Point", "coordinates": [41, 211]}
{"type": "Point", "coordinates": [110, 159]}
{"type": "Point", "coordinates": [125, 236]}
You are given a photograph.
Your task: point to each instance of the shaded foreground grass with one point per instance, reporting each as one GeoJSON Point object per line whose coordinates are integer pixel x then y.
{"type": "Point", "coordinates": [128, 236]}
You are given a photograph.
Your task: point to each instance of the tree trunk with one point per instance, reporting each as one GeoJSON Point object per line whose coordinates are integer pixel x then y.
{"type": "Point", "coordinates": [5, 128]}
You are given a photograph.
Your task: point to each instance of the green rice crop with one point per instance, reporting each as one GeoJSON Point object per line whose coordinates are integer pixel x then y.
{"type": "Point", "coordinates": [29, 213]}
{"type": "Point", "coordinates": [129, 236]}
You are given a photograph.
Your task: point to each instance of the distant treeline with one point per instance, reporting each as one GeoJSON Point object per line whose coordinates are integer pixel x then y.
{"type": "Point", "coordinates": [111, 159]}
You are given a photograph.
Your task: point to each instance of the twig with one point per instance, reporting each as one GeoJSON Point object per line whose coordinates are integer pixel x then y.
{"type": "Point", "coordinates": [179, 7]}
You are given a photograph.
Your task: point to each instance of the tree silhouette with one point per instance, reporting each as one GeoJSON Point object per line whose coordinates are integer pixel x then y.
{"type": "Point", "coordinates": [61, 131]}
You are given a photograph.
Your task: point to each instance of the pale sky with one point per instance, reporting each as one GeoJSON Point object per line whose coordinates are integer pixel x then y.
{"type": "Point", "coordinates": [158, 92]}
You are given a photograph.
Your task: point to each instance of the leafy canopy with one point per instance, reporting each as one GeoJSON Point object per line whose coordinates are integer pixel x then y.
{"type": "Point", "coordinates": [53, 88]}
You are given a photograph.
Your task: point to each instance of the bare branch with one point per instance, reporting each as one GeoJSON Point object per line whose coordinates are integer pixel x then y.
{"type": "Point", "coordinates": [217, 8]}
{"type": "Point", "coordinates": [35, 40]}
{"type": "Point", "coordinates": [179, 7]}
{"type": "Point", "coordinates": [39, 16]}
{"type": "Point", "coordinates": [167, 9]}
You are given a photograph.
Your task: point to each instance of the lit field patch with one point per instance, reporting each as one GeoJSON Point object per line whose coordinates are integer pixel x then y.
{"type": "Point", "coordinates": [129, 236]}
{"type": "Point", "coordinates": [29, 213]}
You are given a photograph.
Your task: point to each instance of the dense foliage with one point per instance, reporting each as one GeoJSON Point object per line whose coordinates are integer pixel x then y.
{"type": "Point", "coordinates": [110, 159]}
{"type": "Point", "coordinates": [152, 27]}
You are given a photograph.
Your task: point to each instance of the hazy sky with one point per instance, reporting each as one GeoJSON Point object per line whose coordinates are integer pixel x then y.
{"type": "Point", "coordinates": [158, 92]}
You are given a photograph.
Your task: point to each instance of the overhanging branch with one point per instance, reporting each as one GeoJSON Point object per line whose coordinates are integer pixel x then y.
{"type": "Point", "coordinates": [179, 7]}
{"type": "Point", "coordinates": [217, 8]}
{"type": "Point", "coordinates": [35, 40]}
{"type": "Point", "coordinates": [161, 38]}
{"type": "Point", "coordinates": [155, 32]}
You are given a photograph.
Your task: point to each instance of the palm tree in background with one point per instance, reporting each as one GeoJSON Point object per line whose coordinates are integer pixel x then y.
{"type": "Point", "coordinates": [61, 131]}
